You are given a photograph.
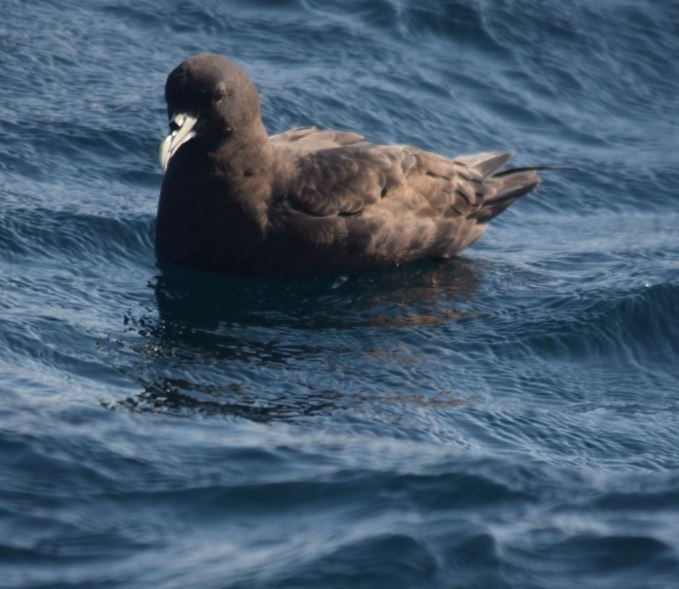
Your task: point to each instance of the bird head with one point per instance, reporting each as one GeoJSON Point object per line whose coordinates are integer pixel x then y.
{"type": "Point", "coordinates": [209, 98]}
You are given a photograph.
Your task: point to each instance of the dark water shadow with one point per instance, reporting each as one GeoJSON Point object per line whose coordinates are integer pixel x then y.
{"type": "Point", "coordinates": [394, 297]}
{"type": "Point", "coordinates": [186, 353]}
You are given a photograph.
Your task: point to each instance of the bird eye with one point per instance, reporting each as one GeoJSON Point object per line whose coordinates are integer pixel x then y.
{"type": "Point", "coordinates": [219, 94]}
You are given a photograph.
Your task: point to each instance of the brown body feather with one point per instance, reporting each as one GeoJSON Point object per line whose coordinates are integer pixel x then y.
{"type": "Point", "coordinates": [309, 199]}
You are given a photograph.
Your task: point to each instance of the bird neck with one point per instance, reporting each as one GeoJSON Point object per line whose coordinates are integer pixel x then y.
{"type": "Point", "coordinates": [244, 161]}
{"type": "Point", "coordinates": [245, 152]}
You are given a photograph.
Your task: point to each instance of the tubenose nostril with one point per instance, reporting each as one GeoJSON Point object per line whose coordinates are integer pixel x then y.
{"type": "Point", "coordinates": [177, 122]}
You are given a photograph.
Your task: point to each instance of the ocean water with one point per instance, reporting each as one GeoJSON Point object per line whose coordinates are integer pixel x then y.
{"type": "Point", "coordinates": [509, 420]}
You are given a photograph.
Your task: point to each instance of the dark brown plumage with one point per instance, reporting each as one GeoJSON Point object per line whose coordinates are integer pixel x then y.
{"type": "Point", "coordinates": [235, 200]}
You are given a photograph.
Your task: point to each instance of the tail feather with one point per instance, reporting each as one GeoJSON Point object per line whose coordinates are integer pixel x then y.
{"type": "Point", "coordinates": [503, 189]}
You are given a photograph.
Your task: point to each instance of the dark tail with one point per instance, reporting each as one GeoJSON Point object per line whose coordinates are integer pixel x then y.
{"type": "Point", "coordinates": [503, 189]}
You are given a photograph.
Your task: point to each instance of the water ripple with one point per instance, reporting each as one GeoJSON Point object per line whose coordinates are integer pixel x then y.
{"type": "Point", "coordinates": [506, 420]}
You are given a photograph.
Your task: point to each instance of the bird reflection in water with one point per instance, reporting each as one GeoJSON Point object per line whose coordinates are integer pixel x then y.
{"type": "Point", "coordinates": [212, 334]}
{"type": "Point", "coordinates": [421, 293]}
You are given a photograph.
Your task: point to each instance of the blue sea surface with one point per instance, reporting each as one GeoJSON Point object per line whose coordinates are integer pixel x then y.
{"type": "Point", "coordinates": [507, 420]}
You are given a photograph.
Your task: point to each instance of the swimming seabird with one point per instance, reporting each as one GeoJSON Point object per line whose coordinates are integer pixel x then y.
{"type": "Point", "coordinates": [238, 201]}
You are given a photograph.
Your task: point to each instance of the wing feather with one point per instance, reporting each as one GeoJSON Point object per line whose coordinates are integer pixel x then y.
{"type": "Point", "coordinates": [340, 174]}
{"type": "Point", "coordinates": [345, 179]}
{"type": "Point", "coordinates": [308, 139]}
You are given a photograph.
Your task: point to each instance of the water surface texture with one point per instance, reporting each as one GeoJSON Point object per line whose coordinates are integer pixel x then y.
{"type": "Point", "coordinates": [508, 420]}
